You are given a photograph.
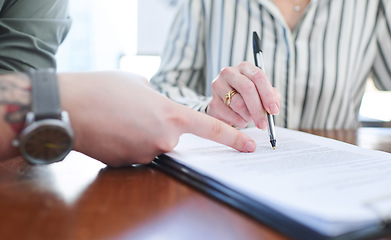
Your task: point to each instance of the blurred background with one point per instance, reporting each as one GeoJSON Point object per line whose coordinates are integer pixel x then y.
{"type": "Point", "coordinates": [116, 34]}
{"type": "Point", "coordinates": [130, 35]}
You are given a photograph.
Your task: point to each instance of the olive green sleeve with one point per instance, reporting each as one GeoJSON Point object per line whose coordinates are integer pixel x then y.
{"type": "Point", "coordinates": [31, 32]}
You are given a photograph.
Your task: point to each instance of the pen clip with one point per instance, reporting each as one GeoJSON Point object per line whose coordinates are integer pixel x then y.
{"type": "Point", "coordinates": [258, 60]}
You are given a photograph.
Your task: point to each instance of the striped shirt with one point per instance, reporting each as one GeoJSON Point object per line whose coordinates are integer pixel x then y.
{"type": "Point", "coordinates": [320, 67]}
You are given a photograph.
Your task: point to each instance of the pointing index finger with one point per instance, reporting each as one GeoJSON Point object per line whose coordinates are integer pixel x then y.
{"type": "Point", "coordinates": [213, 129]}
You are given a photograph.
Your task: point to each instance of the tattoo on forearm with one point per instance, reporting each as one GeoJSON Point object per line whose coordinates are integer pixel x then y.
{"type": "Point", "coordinates": [15, 97]}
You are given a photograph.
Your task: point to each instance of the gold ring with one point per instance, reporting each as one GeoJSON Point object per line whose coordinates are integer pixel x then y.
{"type": "Point", "coordinates": [228, 97]}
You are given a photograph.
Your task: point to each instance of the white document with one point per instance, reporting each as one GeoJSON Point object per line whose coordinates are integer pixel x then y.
{"type": "Point", "coordinates": [330, 186]}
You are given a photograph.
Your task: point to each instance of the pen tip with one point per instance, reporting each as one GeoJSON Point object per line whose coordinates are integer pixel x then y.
{"type": "Point", "coordinates": [273, 143]}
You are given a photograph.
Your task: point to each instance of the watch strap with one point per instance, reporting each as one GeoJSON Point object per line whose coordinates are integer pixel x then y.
{"type": "Point", "coordinates": [45, 94]}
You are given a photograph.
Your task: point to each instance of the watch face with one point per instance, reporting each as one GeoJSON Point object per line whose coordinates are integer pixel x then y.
{"type": "Point", "coordinates": [47, 143]}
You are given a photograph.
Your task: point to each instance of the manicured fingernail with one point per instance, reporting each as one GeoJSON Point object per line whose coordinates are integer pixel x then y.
{"type": "Point", "coordinates": [250, 146]}
{"type": "Point", "coordinates": [274, 109]}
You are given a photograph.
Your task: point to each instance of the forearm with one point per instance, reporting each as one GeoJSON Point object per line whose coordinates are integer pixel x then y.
{"type": "Point", "coordinates": [14, 104]}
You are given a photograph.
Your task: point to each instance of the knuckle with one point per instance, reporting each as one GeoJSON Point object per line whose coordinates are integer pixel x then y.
{"type": "Point", "coordinates": [174, 118]}
{"type": "Point", "coordinates": [244, 64]}
{"type": "Point", "coordinates": [260, 76]}
{"type": "Point", "coordinates": [217, 129]}
{"type": "Point", "coordinates": [227, 71]}
{"type": "Point", "coordinates": [215, 84]}
{"type": "Point", "coordinates": [247, 87]}
{"type": "Point", "coordinates": [268, 96]}
{"type": "Point", "coordinates": [238, 106]}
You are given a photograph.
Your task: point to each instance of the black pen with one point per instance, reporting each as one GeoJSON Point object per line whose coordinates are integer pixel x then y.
{"type": "Point", "coordinates": [258, 58]}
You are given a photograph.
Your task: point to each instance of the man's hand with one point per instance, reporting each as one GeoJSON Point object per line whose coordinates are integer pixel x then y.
{"type": "Point", "coordinates": [118, 119]}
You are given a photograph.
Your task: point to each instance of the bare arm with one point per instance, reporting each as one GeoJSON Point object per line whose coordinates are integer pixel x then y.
{"type": "Point", "coordinates": [14, 103]}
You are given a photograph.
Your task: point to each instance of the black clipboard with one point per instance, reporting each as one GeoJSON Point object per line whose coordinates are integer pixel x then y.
{"type": "Point", "coordinates": [257, 210]}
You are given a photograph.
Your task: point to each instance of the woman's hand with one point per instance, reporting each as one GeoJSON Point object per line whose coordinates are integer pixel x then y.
{"type": "Point", "coordinates": [255, 96]}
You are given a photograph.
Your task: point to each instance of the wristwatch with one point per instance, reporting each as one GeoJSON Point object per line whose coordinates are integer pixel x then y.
{"type": "Point", "coordinates": [48, 135]}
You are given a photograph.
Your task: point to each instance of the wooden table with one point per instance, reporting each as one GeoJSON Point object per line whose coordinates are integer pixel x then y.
{"type": "Point", "coordinates": [80, 198]}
